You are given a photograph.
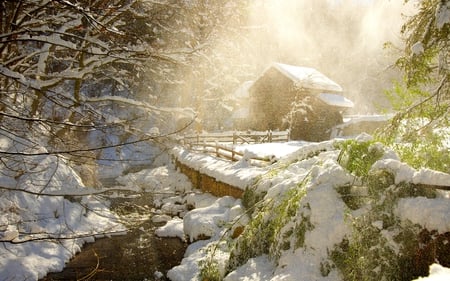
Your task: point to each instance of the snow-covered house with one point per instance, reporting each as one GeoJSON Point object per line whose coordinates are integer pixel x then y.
{"type": "Point", "coordinates": [299, 98]}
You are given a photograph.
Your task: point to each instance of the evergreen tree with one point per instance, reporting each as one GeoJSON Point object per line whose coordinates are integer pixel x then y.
{"type": "Point", "coordinates": [423, 98]}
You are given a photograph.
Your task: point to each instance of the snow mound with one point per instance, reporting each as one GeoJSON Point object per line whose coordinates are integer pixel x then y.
{"type": "Point", "coordinates": [173, 228]}
{"type": "Point", "coordinates": [40, 200]}
{"type": "Point", "coordinates": [322, 214]}
{"type": "Point", "coordinates": [404, 173]}
{"type": "Point", "coordinates": [437, 273]}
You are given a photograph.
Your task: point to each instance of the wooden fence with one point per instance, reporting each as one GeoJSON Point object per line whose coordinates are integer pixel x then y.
{"type": "Point", "coordinates": [223, 144]}
{"type": "Point", "coordinates": [236, 137]}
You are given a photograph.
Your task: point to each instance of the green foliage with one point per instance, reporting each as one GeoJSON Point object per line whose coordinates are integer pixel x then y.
{"type": "Point", "coordinates": [366, 256]}
{"type": "Point", "coordinates": [358, 156]}
{"type": "Point", "coordinates": [251, 243]}
{"type": "Point", "coordinates": [381, 247]}
{"type": "Point", "coordinates": [267, 232]}
{"type": "Point", "coordinates": [426, 48]}
{"type": "Point", "coordinates": [420, 142]}
{"type": "Point", "coordinates": [353, 196]}
{"type": "Point", "coordinates": [427, 154]}
{"type": "Point", "coordinates": [281, 237]}
{"type": "Point", "coordinates": [251, 197]}
{"type": "Point", "coordinates": [209, 270]}
{"type": "Point", "coordinates": [401, 97]}
{"type": "Point", "coordinates": [417, 68]}
{"type": "Point", "coordinates": [370, 255]}
{"type": "Point", "coordinates": [423, 97]}
{"type": "Point", "coordinates": [300, 229]}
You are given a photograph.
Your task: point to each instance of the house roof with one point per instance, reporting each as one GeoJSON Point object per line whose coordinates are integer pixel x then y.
{"type": "Point", "coordinates": [306, 77]}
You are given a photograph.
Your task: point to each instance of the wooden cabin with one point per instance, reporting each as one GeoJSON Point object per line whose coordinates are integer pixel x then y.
{"type": "Point", "coordinates": [299, 98]}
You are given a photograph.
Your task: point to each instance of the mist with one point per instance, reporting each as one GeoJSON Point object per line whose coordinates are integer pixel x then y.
{"type": "Point", "coordinates": [341, 38]}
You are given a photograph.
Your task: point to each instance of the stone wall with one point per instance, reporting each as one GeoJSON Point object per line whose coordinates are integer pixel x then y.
{"type": "Point", "coordinates": [207, 183]}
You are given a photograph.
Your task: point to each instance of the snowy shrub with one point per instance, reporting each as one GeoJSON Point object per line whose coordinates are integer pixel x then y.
{"type": "Point", "coordinates": [358, 156]}
{"type": "Point", "coordinates": [419, 142]}
{"type": "Point", "coordinates": [212, 266]}
{"type": "Point", "coordinates": [316, 218]}
{"type": "Point", "coordinates": [271, 228]}
{"type": "Point", "coordinates": [45, 214]}
{"type": "Point", "coordinates": [291, 220]}
{"type": "Point", "coordinates": [251, 197]}
{"type": "Point", "coordinates": [354, 196]}
{"type": "Point", "coordinates": [251, 243]}
{"type": "Point", "coordinates": [209, 270]}
{"type": "Point", "coordinates": [381, 246]}
{"type": "Point", "coordinates": [252, 194]}
{"type": "Point", "coordinates": [425, 153]}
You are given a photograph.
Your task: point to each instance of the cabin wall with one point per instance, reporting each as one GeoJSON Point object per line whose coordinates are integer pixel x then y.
{"type": "Point", "coordinates": [275, 103]}
{"type": "Point", "coordinates": [311, 119]}
{"type": "Point", "coordinates": [271, 98]}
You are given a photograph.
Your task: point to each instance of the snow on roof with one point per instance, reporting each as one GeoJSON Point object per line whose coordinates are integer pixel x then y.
{"type": "Point", "coordinates": [336, 100]}
{"type": "Point", "coordinates": [306, 77]}
{"type": "Point", "coordinates": [352, 119]}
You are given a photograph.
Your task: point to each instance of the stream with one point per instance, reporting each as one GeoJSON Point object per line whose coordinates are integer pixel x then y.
{"type": "Point", "coordinates": [138, 255]}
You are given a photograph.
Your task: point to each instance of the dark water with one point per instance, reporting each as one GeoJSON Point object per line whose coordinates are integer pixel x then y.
{"type": "Point", "coordinates": [138, 255]}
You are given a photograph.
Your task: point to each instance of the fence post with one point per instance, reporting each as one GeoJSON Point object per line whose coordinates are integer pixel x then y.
{"type": "Point", "coordinates": [270, 136]}
{"type": "Point", "coordinates": [217, 149]}
{"type": "Point", "coordinates": [187, 141]}
{"type": "Point", "coordinates": [234, 137]}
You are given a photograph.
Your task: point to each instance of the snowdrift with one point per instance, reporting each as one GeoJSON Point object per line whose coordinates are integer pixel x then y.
{"type": "Point", "coordinates": [43, 220]}
{"type": "Point", "coordinates": [312, 216]}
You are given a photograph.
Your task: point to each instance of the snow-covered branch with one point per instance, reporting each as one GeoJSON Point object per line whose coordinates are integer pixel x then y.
{"type": "Point", "coordinates": [188, 112]}
{"type": "Point", "coordinates": [82, 191]}
{"type": "Point", "coordinates": [48, 121]}
{"type": "Point", "coordinates": [19, 238]}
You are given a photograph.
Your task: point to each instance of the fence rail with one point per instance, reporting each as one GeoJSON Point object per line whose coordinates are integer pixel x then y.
{"type": "Point", "coordinates": [228, 153]}
{"type": "Point", "coordinates": [237, 137]}
{"type": "Point", "coordinates": [216, 143]}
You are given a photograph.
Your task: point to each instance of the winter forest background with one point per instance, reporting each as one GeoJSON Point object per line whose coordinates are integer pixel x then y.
{"type": "Point", "coordinates": [71, 59]}
{"type": "Point", "coordinates": [95, 85]}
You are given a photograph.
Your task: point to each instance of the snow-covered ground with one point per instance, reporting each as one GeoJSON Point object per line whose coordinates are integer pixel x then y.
{"type": "Point", "coordinates": [41, 198]}
{"type": "Point", "coordinates": [208, 222]}
{"type": "Point", "coordinates": [327, 211]}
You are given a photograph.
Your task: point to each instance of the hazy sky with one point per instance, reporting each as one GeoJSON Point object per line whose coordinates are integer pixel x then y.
{"type": "Point", "coordinates": [342, 38]}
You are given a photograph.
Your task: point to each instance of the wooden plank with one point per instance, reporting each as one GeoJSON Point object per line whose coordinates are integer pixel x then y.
{"type": "Point", "coordinates": [210, 143]}
{"type": "Point", "coordinates": [235, 137]}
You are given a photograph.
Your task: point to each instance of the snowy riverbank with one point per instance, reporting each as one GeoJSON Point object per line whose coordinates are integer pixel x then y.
{"type": "Point", "coordinates": [214, 225]}
{"type": "Point", "coordinates": [314, 164]}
